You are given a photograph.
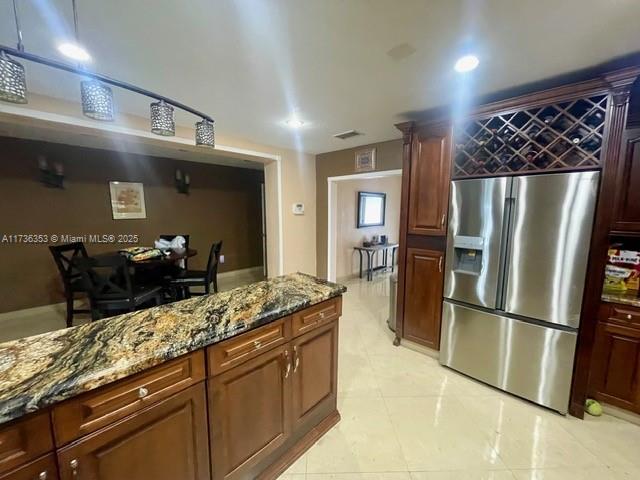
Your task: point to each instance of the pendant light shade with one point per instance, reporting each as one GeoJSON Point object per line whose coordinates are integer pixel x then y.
{"type": "Point", "coordinates": [13, 83]}
{"type": "Point", "coordinates": [162, 121]}
{"type": "Point", "coordinates": [97, 100]}
{"type": "Point", "coordinates": [204, 133]}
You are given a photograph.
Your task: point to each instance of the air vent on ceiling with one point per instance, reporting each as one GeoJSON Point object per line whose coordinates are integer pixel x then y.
{"type": "Point", "coordinates": [347, 134]}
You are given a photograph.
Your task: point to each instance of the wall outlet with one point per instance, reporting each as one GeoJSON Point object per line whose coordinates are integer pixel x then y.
{"type": "Point", "coordinates": [221, 258]}
{"type": "Point", "coordinates": [298, 208]}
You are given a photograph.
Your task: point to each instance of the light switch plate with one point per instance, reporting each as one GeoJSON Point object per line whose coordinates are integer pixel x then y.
{"type": "Point", "coordinates": [298, 208]}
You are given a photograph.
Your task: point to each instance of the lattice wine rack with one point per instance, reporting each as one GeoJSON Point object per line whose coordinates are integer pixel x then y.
{"type": "Point", "coordinates": [565, 135]}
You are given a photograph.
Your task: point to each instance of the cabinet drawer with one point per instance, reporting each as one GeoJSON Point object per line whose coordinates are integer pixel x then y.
{"type": "Point", "coordinates": [316, 315]}
{"type": "Point", "coordinates": [42, 469]}
{"type": "Point", "coordinates": [91, 411]}
{"type": "Point", "coordinates": [24, 440]}
{"type": "Point", "coordinates": [624, 314]}
{"type": "Point", "coordinates": [232, 352]}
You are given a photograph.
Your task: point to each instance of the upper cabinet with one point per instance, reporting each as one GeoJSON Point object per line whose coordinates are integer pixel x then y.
{"type": "Point", "coordinates": [627, 207]}
{"type": "Point", "coordinates": [429, 184]}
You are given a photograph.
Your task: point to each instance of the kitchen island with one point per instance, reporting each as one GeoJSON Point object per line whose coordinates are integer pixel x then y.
{"type": "Point", "coordinates": [228, 386]}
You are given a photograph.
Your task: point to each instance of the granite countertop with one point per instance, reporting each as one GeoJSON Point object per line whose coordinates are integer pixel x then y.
{"type": "Point", "coordinates": [41, 370]}
{"type": "Point", "coordinates": [630, 297]}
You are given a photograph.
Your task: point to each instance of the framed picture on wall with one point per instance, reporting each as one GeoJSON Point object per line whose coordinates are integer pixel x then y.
{"type": "Point", "coordinates": [127, 200]}
{"type": "Point", "coordinates": [371, 208]}
{"type": "Point", "coordinates": [366, 160]}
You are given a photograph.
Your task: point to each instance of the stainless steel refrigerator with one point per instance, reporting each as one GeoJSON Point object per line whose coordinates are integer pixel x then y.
{"type": "Point", "coordinates": [517, 251]}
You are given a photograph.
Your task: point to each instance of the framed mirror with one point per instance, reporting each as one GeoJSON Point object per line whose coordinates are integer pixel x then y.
{"type": "Point", "coordinates": [371, 208]}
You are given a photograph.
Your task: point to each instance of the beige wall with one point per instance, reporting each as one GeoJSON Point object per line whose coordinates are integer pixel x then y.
{"type": "Point", "coordinates": [296, 176]}
{"type": "Point", "coordinates": [348, 235]}
{"type": "Point", "coordinates": [342, 162]}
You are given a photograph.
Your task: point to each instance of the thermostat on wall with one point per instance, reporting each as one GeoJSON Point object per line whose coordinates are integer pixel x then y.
{"type": "Point", "coordinates": [298, 208]}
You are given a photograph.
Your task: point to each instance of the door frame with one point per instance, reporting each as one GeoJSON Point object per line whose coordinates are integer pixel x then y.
{"type": "Point", "coordinates": [332, 200]}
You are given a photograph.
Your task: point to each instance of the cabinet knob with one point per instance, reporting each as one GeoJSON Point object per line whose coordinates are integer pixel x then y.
{"type": "Point", "coordinates": [442, 220]}
{"type": "Point", "coordinates": [142, 392]}
{"type": "Point", "coordinates": [322, 315]}
{"type": "Point", "coordinates": [74, 467]}
{"type": "Point", "coordinates": [440, 264]}
{"type": "Point", "coordinates": [42, 475]}
{"type": "Point", "coordinates": [257, 344]}
{"type": "Point", "coordinates": [629, 317]}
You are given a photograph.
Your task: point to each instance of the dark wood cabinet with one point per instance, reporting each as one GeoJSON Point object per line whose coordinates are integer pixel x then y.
{"type": "Point", "coordinates": [165, 441]}
{"type": "Point", "coordinates": [43, 468]}
{"type": "Point", "coordinates": [24, 440]}
{"type": "Point", "coordinates": [429, 182]}
{"type": "Point", "coordinates": [627, 203]}
{"type": "Point", "coordinates": [423, 296]}
{"type": "Point", "coordinates": [314, 379]}
{"type": "Point", "coordinates": [249, 414]}
{"type": "Point", "coordinates": [616, 365]}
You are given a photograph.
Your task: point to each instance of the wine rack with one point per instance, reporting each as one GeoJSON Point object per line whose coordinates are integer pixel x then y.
{"type": "Point", "coordinates": [565, 135]}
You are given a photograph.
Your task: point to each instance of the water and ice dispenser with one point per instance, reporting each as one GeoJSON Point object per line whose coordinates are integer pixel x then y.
{"type": "Point", "coordinates": [468, 254]}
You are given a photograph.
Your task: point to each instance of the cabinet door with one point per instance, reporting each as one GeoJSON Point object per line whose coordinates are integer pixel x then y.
{"type": "Point", "coordinates": [429, 184]}
{"type": "Point", "coordinates": [249, 414]}
{"type": "Point", "coordinates": [423, 296]}
{"type": "Point", "coordinates": [314, 381]}
{"type": "Point", "coordinates": [627, 211]}
{"type": "Point", "coordinates": [42, 469]}
{"type": "Point", "coordinates": [163, 442]}
{"type": "Point", "coordinates": [616, 360]}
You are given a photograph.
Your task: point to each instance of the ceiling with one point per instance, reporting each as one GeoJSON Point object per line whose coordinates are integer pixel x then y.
{"type": "Point", "coordinates": [340, 64]}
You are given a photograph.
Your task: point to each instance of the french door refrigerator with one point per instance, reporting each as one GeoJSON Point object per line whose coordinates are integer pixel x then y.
{"type": "Point", "coordinates": [515, 268]}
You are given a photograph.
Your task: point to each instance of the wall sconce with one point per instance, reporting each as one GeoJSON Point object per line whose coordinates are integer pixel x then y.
{"type": "Point", "coordinates": [52, 177]}
{"type": "Point", "coordinates": [182, 182]}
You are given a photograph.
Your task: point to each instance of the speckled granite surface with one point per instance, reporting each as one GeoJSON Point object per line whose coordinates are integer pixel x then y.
{"type": "Point", "coordinates": [629, 297]}
{"type": "Point", "coordinates": [39, 371]}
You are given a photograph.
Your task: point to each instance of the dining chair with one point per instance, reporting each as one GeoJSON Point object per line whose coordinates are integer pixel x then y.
{"type": "Point", "coordinates": [200, 278]}
{"type": "Point", "coordinates": [184, 263]}
{"type": "Point", "coordinates": [64, 256]}
{"type": "Point", "coordinates": [108, 282]}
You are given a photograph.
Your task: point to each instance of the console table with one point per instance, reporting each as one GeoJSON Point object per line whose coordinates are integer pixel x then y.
{"type": "Point", "coordinates": [374, 249]}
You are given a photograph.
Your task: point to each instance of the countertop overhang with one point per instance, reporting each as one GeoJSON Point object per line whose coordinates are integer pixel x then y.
{"type": "Point", "coordinates": [39, 371]}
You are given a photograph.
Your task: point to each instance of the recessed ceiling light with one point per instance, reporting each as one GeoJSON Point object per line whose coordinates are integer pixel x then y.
{"type": "Point", "coordinates": [466, 63]}
{"type": "Point", "coordinates": [75, 51]}
{"type": "Point", "coordinates": [294, 123]}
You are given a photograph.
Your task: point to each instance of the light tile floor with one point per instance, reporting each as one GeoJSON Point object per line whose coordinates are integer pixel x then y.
{"type": "Point", "coordinates": [404, 417]}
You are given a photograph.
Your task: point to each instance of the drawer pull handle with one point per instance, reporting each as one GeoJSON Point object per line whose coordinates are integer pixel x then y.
{"type": "Point", "coordinates": [287, 370]}
{"type": "Point", "coordinates": [444, 217]}
{"type": "Point", "coordinates": [296, 362]}
{"type": "Point", "coordinates": [322, 315]}
{"type": "Point", "coordinates": [142, 392]}
{"type": "Point", "coordinates": [257, 343]}
{"type": "Point", "coordinates": [42, 475]}
{"type": "Point", "coordinates": [74, 467]}
{"type": "Point", "coordinates": [629, 317]}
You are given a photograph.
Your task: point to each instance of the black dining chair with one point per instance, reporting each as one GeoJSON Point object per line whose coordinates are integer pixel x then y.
{"type": "Point", "coordinates": [64, 256]}
{"type": "Point", "coordinates": [185, 262]}
{"type": "Point", "coordinates": [108, 283]}
{"type": "Point", "coordinates": [200, 278]}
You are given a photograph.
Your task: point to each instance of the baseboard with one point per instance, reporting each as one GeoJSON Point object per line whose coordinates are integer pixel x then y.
{"type": "Point", "coordinates": [621, 413]}
{"type": "Point", "coordinates": [242, 272]}
{"type": "Point", "coordinates": [277, 468]}
{"type": "Point", "coordinates": [420, 348]}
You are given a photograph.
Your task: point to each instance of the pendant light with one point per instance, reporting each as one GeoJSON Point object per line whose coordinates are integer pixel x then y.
{"type": "Point", "coordinates": [162, 121]}
{"type": "Point", "coordinates": [96, 97]}
{"type": "Point", "coordinates": [13, 83]}
{"type": "Point", "coordinates": [204, 133]}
